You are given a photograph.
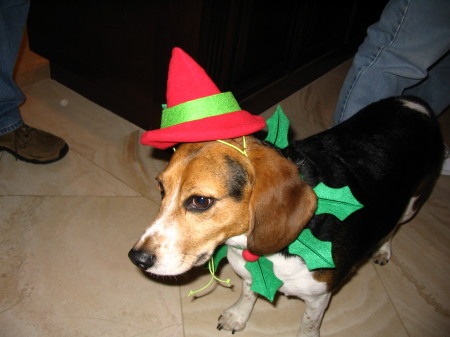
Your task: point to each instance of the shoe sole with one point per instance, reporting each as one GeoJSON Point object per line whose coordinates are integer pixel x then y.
{"type": "Point", "coordinates": [62, 153]}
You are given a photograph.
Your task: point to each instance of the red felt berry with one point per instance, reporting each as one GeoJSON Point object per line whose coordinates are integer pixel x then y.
{"type": "Point", "coordinates": [249, 256]}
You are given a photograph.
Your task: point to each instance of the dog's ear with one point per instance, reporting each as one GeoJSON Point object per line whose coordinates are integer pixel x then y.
{"type": "Point", "coordinates": [281, 203]}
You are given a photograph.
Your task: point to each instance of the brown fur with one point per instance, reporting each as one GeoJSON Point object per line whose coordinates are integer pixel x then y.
{"type": "Point", "coordinates": [281, 202]}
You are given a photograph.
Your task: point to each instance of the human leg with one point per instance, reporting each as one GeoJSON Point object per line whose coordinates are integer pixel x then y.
{"type": "Point", "coordinates": [435, 89]}
{"type": "Point", "coordinates": [397, 53]}
{"type": "Point", "coordinates": [13, 16]}
{"type": "Point", "coordinates": [24, 142]}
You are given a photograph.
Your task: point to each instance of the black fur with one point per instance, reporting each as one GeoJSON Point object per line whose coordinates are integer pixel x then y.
{"type": "Point", "coordinates": [382, 153]}
{"type": "Point", "coordinates": [237, 178]}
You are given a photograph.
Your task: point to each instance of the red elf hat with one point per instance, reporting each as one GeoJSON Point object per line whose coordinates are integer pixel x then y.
{"type": "Point", "coordinates": [196, 109]}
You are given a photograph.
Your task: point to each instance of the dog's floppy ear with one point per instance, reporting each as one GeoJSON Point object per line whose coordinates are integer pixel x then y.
{"type": "Point", "coordinates": [281, 203]}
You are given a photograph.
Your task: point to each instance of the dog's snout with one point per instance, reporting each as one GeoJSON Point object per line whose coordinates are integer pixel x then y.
{"type": "Point", "coordinates": [141, 258]}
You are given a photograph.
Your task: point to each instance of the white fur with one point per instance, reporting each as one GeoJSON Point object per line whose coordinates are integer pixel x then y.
{"type": "Point", "coordinates": [235, 317]}
{"type": "Point", "coordinates": [237, 241]}
{"type": "Point", "coordinates": [297, 281]}
{"type": "Point", "coordinates": [410, 211]}
{"type": "Point", "coordinates": [415, 106]}
{"type": "Point", "coordinates": [383, 254]}
{"type": "Point", "coordinates": [169, 258]}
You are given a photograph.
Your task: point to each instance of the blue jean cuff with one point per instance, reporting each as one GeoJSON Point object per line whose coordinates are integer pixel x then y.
{"type": "Point", "coordinates": [11, 127]}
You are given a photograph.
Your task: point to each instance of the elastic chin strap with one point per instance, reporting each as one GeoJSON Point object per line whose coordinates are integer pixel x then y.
{"type": "Point", "coordinates": [212, 271]}
{"type": "Point", "coordinates": [244, 143]}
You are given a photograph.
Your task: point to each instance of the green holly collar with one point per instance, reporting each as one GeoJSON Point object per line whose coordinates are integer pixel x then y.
{"type": "Point", "coordinates": [316, 254]}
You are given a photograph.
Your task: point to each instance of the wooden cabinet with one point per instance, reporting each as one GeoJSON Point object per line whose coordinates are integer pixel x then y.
{"type": "Point", "coordinates": [116, 52]}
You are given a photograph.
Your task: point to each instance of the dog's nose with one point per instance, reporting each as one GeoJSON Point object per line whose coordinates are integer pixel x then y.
{"type": "Point", "coordinates": [141, 258]}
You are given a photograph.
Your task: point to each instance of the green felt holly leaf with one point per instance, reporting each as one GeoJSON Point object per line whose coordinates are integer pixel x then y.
{"type": "Point", "coordinates": [219, 255]}
{"type": "Point", "coordinates": [264, 281]}
{"type": "Point", "coordinates": [337, 201]}
{"type": "Point", "coordinates": [278, 126]}
{"type": "Point", "coordinates": [315, 253]}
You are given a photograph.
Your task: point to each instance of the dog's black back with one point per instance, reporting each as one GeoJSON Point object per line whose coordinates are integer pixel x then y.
{"type": "Point", "coordinates": [387, 153]}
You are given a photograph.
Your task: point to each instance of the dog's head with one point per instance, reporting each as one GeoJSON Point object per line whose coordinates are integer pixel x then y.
{"type": "Point", "coordinates": [212, 193]}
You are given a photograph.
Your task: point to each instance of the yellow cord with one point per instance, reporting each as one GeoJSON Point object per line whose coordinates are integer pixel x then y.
{"type": "Point", "coordinates": [235, 147]}
{"type": "Point", "coordinates": [231, 145]}
{"type": "Point", "coordinates": [213, 277]}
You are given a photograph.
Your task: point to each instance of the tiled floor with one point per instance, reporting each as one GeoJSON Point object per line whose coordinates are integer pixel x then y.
{"type": "Point", "coordinates": [66, 228]}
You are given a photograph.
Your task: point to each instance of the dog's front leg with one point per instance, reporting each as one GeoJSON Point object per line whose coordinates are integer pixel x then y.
{"type": "Point", "coordinates": [235, 317]}
{"type": "Point", "coordinates": [312, 318]}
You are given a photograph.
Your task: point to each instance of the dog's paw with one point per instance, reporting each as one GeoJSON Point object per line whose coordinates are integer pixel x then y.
{"type": "Point", "coordinates": [231, 321]}
{"type": "Point", "coordinates": [382, 255]}
{"type": "Point", "coordinates": [380, 259]}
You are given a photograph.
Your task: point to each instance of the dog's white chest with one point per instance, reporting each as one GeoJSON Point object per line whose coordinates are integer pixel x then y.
{"type": "Point", "coordinates": [292, 271]}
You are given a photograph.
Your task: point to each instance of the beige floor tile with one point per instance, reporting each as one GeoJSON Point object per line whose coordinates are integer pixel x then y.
{"type": "Point", "coordinates": [101, 137]}
{"type": "Point", "coordinates": [65, 270]}
{"type": "Point", "coordinates": [360, 308]}
{"type": "Point", "coordinates": [417, 277]}
{"type": "Point", "coordinates": [73, 175]}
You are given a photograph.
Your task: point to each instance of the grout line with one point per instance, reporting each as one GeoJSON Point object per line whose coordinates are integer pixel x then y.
{"type": "Point", "coordinates": [181, 310]}
{"type": "Point", "coordinates": [380, 278]}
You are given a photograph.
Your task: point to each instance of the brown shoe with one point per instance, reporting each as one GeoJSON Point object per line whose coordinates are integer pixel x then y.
{"type": "Point", "coordinates": [33, 145]}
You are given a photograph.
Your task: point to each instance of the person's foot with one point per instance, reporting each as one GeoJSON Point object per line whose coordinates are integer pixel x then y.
{"type": "Point", "coordinates": [33, 145]}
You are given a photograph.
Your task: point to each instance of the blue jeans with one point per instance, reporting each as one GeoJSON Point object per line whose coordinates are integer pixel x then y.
{"type": "Point", "coordinates": [407, 52]}
{"type": "Point", "coordinates": [13, 16]}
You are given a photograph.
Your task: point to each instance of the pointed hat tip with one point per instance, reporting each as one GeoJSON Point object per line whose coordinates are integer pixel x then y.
{"type": "Point", "coordinates": [178, 52]}
{"type": "Point", "coordinates": [187, 80]}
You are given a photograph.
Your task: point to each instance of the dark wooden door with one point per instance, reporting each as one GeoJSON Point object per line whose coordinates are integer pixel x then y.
{"type": "Point", "coordinates": [116, 52]}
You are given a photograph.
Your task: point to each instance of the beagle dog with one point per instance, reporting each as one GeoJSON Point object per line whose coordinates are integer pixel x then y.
{"type": "Point", "coordinates": [389, 154]}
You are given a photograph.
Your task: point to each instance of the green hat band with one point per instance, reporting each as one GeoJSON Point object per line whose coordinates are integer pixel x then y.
{"type": "Point", "coordinates": [204, 107]}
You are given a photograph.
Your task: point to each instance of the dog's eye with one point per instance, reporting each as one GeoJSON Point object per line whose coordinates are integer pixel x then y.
{"type": "Point", "coordinates": [200, 203]}
{"type": "Point", "coordinates": [160, 187]}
